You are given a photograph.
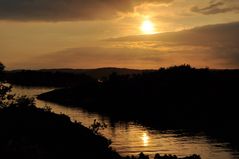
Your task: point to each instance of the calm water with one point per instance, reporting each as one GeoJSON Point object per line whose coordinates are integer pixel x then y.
{"type": "Point", "coordinates": [131, 138]}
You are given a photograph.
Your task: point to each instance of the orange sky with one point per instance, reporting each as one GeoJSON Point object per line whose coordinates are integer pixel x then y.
{"type": "Point", "coordinates": [44, 34]}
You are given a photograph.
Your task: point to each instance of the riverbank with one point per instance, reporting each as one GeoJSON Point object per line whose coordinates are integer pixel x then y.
{"type": "Point", "coordinates": [29, 132]}
{"type": "Point", "coordinates": [37, 133]}
{"type": "Point", "coordinates": [168, 96]}
{"type": "Point", "coordinates": [174, 98]}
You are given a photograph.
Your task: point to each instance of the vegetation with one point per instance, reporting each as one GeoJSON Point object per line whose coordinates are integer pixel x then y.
{"type": "Point", "coordinates": [29, 132]}
{"type": "Point", "coordinates": [62, 77]}
{"type": "Point", "coordinates": [1, 71]}
{"type": "Point", "coordinates": [158, 156]}
{"type": "Point", "coordinates": [48, 79]}
{"type": "Point", "coordinates": [32, 133]}
{"type": "Point", "coordinates": [170, 98]}
{"type": "Point", "coordinates": [97, 126]}
{"type": "Point", "coordinates": [1, 67]}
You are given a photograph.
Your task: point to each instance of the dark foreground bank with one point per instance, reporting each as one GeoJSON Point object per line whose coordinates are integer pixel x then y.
{"type": "Point", "coordinates": [31, 133]}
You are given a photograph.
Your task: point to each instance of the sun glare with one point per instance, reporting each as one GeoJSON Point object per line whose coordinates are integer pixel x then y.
{"type": "Point", "coordinates": [147, 27]}
{"type": "Point", "coordinates": [145, 139]}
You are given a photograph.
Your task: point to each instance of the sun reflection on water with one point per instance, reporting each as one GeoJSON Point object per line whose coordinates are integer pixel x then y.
{"type": "Point", "coordinates": [145, 139]}
{"type": "Point", "coordinates": [131, 139]}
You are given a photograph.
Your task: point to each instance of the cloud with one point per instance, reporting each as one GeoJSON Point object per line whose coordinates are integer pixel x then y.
{"type": "Point", "coordinates": [216, 7]}
{"type": "Point", "coordinates": [66, 10]}
{"type": "Point", "coordinates": [92, 57]}
{"type": "Point", "coordinates": [215, 46]}
{"type": "Point", "coordinates": [226, 33]}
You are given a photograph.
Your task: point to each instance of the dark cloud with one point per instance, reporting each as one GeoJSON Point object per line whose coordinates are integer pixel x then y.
{"type": "Point", "coordinates": [66, 10]}
{"type": "Point", "coordinates": [216, 7]}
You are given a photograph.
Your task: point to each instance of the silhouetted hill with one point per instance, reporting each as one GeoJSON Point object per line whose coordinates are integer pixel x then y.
{"type": "Point", "coordinates": [30, 132]}
{"type": "Point", "coordinates": [62, 77]}
{"type": "Point", "coordinates": [47, 78]}
{"type": "Point", "coordinates": [176, 97]}
{"type": "Point", "coordinates": [33, 133]}
{"type": "Point", "coordinates": [98, 72]}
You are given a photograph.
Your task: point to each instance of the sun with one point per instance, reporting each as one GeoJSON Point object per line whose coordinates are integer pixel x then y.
{"type": "Point", "coordinates": [147, 27]}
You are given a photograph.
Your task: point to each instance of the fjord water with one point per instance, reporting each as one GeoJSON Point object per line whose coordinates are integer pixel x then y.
{"type": "Point", "coordinates": [129, 138]}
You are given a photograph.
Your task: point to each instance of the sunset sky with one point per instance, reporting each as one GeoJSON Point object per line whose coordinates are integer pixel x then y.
{"type": "Point", "coordinates": [86, 33]}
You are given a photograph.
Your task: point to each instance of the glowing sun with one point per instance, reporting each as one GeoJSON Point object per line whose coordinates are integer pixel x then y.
{"type": "Point", "coordinates": [147, 27]}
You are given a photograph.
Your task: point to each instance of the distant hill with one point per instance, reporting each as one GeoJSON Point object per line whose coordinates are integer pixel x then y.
{"type": "Point", "coordinates": [95, 73]}
{"type": "Point", "coordinates": [63, 77]}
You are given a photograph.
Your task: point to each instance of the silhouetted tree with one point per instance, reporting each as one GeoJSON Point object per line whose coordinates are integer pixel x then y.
{"type": "Point", "coordinates": [1, 67]}
{"type": "Point", "coordinates": [97, 126]}
{"type": "Point", "coordinates": [1, 70]}
{"type": "Point", "coordinates": [143, 156]}
{"type": "Point", "coordinates": [48, 78]}
{"type": "Point", "coordinates": [179, 92]}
